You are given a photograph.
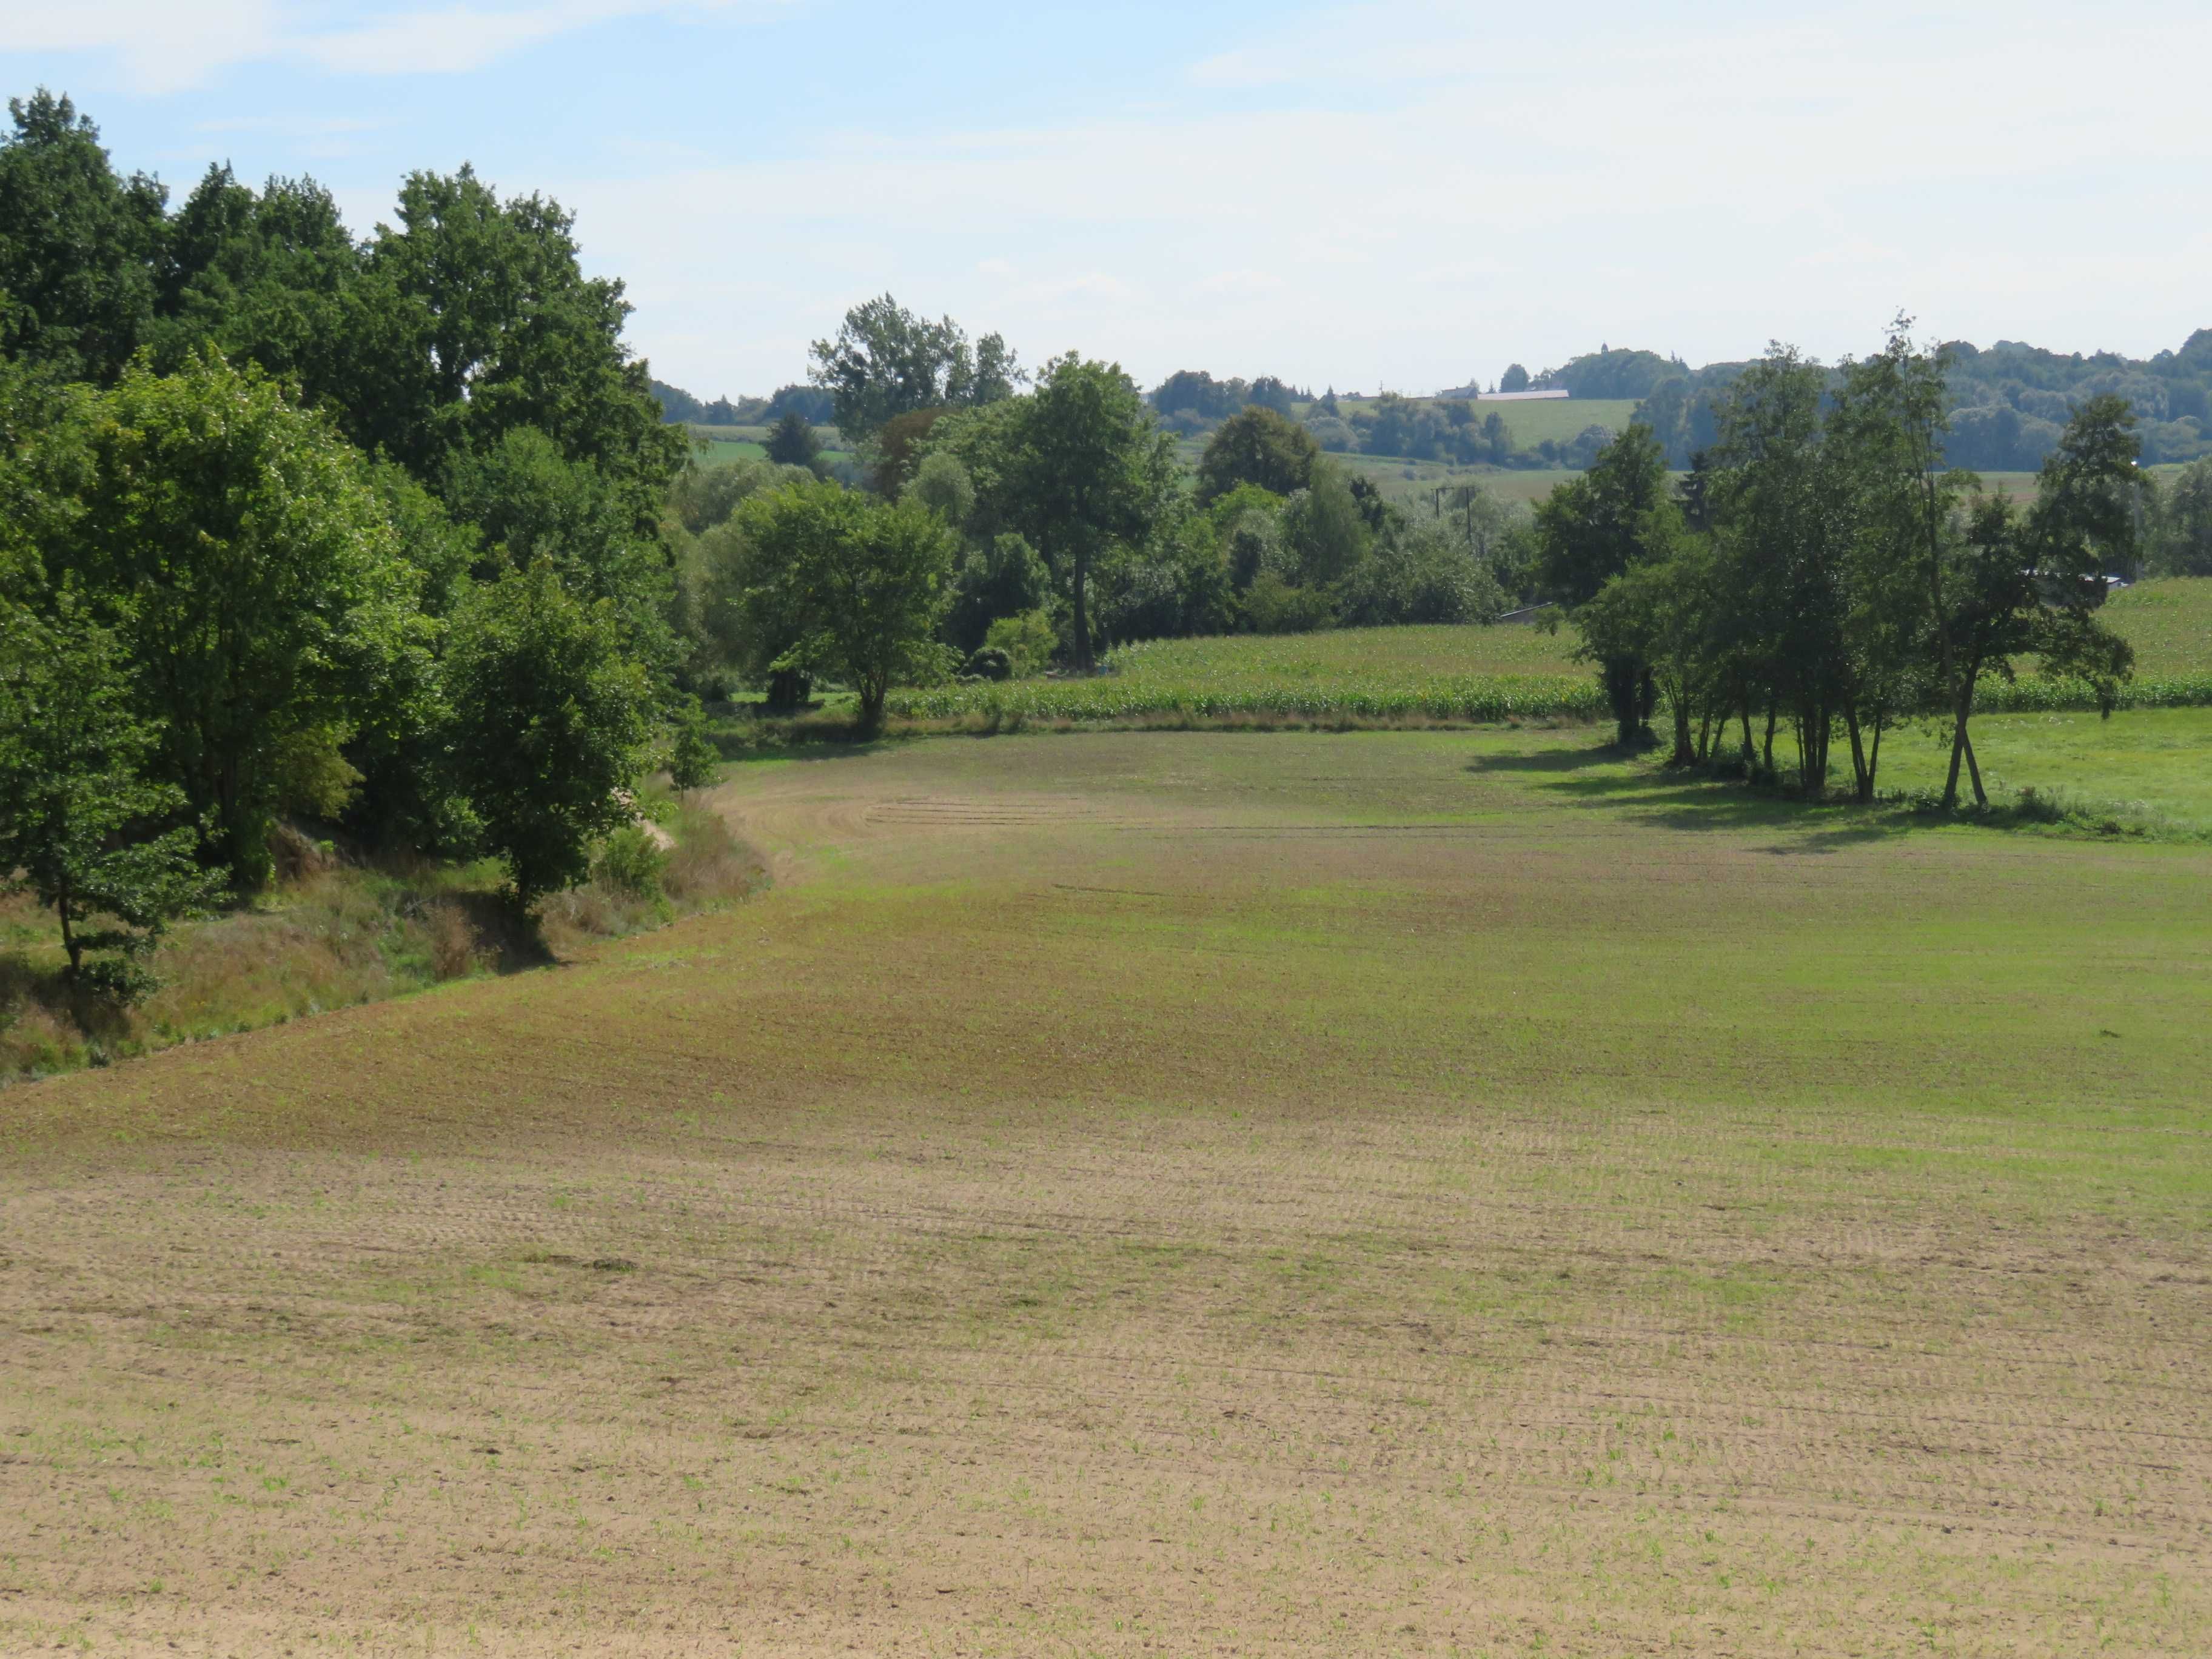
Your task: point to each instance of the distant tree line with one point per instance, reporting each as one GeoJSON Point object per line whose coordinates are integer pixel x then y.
{"type": "Point", "coordinates": [2007, 407]}
{"type": "Point", "coordinates": [364, 530]}
{"type": "Point", "coordinates": [679, 408]}
{"type": "Point", "coordinates": [1823, 568]}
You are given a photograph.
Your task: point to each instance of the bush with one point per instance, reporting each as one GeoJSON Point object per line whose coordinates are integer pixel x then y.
{"type": "Point", "coordinates": [550, 725]}
{"type": "Point", "coordinates": [1273, 606]}
{"type": "Point", "coordinates": [1028, 641]}
{"type": "Point", "coordinates": [989, 663]}
{"type": "Point", "coordinates": [631, 860]}
{"type": "Point", "coordinates": [693, 760]}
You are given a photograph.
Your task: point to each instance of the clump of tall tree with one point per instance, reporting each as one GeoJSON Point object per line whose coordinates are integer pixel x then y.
{"type": "Point", "coordinates": [294, 525]}
{"type": "Point", "coordinates": [1822, 570]}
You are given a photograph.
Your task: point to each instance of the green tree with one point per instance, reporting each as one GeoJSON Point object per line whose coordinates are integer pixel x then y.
{"type": "Point", "coordinates": [1598, 526]}
{"type": "Point", "coordinates": [693, 761]}
{"type": "Point", "coordinates": [1000, 579]}
{"type": "Point", "coordinates": [1077, 468]}
{"type": "Point", "coordinates": [2016, 585]}
{"type": "Point", "coordinates": [1323, 530]}
{"type": "Point", "coordinates": [262, 275]}
{"type": "Point", "coordinates": [1783, 512]}
{"type": "Point", "coordinates": [529, 502]}
{"type": "Point", "coordinates": [472, 317]}
{"type": "Point", "coordinates": [1257, 447]}
{"type": "Point", "coordinates": [1661, 611]}
{"type": "Point", "coordinates": [237, 547]}
{"type": "Point", "coordinates": [886, 361]}
{"type": "Point", "coordinates": [82, 828]}
{"type": "Point", "coordinates": [1093, 472]}
{"type": "Point", "coordinates": [78, 245]}
{"type": "Point", "coordinates": [551, 725]}
{"type": "Point", "coordinates": [846, 586]}
{"type": "Point", "coordinates": [2181, 535]}
{"type": "Point", "coordinates": [791, 443]}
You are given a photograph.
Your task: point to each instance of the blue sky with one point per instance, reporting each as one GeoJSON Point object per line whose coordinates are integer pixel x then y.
{"type": "Point", "coordinates": [1406, 194]}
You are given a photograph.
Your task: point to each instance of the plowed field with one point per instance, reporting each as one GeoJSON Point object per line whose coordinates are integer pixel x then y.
{"type": "Point", "coordinates": [1192, 1194]}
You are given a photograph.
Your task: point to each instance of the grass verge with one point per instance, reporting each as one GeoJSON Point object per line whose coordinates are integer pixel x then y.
{"type": "Point", "coordinates": [336, 933]}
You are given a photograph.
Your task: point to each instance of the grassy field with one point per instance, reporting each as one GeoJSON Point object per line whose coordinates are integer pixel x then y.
{"type": "Point", "coordinates": [1477, 673]}
{"type": "Point", "coordinates": [1389, 1194]}
{"type": "Point", "coordinates": [725, 444]}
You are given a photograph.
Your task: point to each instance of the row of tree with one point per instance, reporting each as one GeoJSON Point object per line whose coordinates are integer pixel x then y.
{"type": "Point", "coordinates": [1821, 566]}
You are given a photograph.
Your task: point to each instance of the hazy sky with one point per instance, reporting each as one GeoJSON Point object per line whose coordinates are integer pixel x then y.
{"type": "Point", "coordinates": [1409, 195]}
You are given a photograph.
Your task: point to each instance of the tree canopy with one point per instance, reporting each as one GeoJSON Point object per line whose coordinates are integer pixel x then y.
{"type": "Point", "coordinates": [887, 361]}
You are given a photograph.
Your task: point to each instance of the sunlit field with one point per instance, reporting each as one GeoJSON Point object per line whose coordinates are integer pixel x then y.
{"type": "Point", "coordinates": [1483, 673]}
{"type": "Point", "coordinates": [1463, 672]}
{"type": "Point", "coordinates": [1392, 1193]}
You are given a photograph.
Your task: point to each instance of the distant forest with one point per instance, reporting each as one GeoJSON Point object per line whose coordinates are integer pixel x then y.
{"type": "Point", "coordinates": [2009, 405]}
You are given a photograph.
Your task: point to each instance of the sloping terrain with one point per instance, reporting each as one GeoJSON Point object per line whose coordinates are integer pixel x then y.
{"type": "Point", "coordinates": [1400, 1193]}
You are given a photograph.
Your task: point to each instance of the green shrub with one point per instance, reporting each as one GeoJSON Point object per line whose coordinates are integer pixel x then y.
{"type": "Point", "coordinates": [1273, 606]}
{"type": "Point", "coordinates": [1029, 640]}
{"type": "Point", "coordinates": [631, 861]}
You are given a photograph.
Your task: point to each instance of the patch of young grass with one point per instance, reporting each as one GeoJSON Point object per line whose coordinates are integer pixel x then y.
{"type": "Point", "coordinates": [1377, 1194]}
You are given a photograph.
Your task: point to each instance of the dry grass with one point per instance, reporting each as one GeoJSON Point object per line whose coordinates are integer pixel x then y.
{"type": "Point", "coordinates": [334, 935]}
{"type": "Point", "coordinates": [1403, 1194]}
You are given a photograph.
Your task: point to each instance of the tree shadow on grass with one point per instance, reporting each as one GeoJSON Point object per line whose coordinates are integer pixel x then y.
{"type": "Point", "coordinates": [1684, 801]}
{"type": "Point", "coordinates": [1552, 760]}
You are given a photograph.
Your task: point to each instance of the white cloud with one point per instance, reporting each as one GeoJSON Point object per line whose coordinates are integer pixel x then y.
{"type": "Point", "coordinates": [1408, 210]}
{"type": "Point", "coordinates": [167, 45]}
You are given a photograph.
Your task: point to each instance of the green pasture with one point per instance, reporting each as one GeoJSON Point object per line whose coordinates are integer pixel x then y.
{"type": "Point", "coordinates": [725, 444]}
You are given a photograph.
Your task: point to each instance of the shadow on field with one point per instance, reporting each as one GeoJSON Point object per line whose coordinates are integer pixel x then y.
{"type": "Point", "coordinates": [1552, 760]}
{"type": "Point", "coordinates": [1680, 801]}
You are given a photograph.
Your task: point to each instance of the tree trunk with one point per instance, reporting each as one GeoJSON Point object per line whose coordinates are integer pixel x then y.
{"type": "Point", "coordinates": [70, 943]}
{"type": "Point", "coordinates": [1962, 712]}
{"type": "Point", "coordinates": [1621, 695]}
{"type": "Point", "coordinates": [1862, 779]}
{"type": "Point", "coordinates": [1974, 770]}
{"type": "Point", "coordinates": [1081, 584]}
{"type": "Point", "coordinates": [1767, 763]}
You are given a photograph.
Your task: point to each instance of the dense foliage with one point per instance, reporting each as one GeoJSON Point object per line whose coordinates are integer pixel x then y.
{"type": "Point", "coordinates": [1822, 565]}
{"type": "Point", "coordinates": [281, 487]}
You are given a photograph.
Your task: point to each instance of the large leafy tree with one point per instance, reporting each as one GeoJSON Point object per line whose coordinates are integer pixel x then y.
{"type": "Point", "coordinates": [2017, 585]}
{"type": "Point", "coordinates": [529, 502]}
{"type": "Point", "coordinates": [1598, 526]}
{"type": "Point", "coordinates": [840, 585]}
{"type": "Point", "coordinates": [1079, 468]}
{"type": "Point", "coordinates": [887, 361]}
{"type": "Point", "coordinates": [2181, 543]}
{"type": "Point", "coordinates": [1784, 510]}
{"type": "Point", "coordinates": [551, 724]}
{"type": "Point", "coordinates": [265, 275]}
{"type": "Point", "coordinates": [235, 545]}
{"type": "Point", "coordinates": [78, 245]}
{"type": "Point", "coordinates": [1257, 447]}
{"type": "Point", "coordinates": [472, 318]}
{"type": "Point", "coordinates": [82, 828]}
